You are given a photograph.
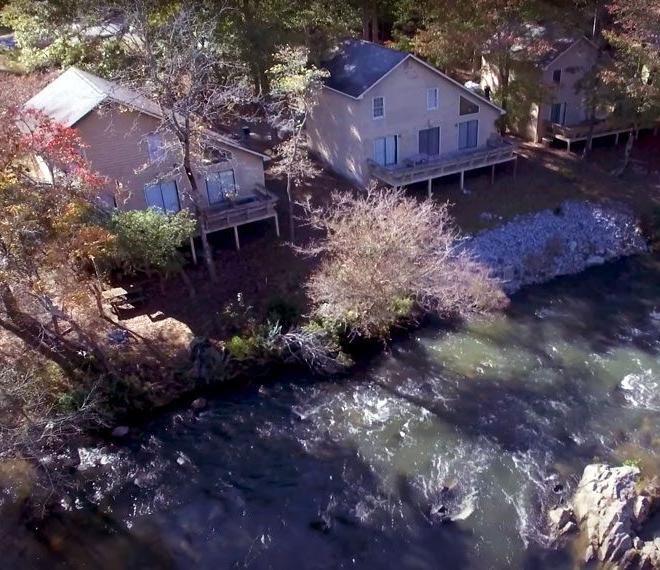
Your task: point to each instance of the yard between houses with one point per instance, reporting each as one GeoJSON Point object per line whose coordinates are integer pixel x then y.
{"type": "Point", "coordinates": [266, 272]}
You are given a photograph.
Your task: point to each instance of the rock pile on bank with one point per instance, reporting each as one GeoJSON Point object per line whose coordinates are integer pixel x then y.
{"type": "Point", "coordinates": [610, 508]}
{"type": "Point", "coordinates": [534, 248]}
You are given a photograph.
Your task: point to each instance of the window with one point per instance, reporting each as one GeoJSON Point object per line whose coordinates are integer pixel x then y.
{"type": "Point", "coordinates": [378, 107]}
{"type": "Point", "coordinates": [556, 76]}
{"type": "Point", "coordinates": [429, 141]}
{"type": "Point", "coordinates": [432, 98]}
{"type": "Point", "coordinates": [155, 147]}
{"type": "Point", "coordinates": [163, 196]}
{"type": "Point", "coordinates": [468, 134]}
{"type": "Point", "coordinates": [558, 113]}
{"type": "Point", "coordinates": [219, 185]}
{"type": "Point", "coordinates": [467, 107]}
{"type": "Point", "coordinates": [385, 150]}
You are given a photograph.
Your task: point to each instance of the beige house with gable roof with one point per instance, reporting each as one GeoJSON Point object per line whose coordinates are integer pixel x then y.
{"type": "Point", "coordinates": [120, 129]}
{"type": "Point", "coordinates": [387, 115]}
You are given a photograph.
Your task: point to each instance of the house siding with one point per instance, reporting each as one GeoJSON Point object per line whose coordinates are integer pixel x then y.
{"type": "Point", "coordinates": [116, 148]}
{"type": "Point", "coordinates": [342, 130]}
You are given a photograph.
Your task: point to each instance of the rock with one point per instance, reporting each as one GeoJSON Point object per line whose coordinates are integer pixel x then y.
{"type": "Point", "coordinates": [568, 528]}
{"type": "Point", "coordinates": [198, 404]}
{"type": "Point", "coordinates": [610, 509]}
{"type": "Point", "coordinates": [641, 510]}
{"type": "Point", "coordinates": [560, 516]}
{"type": "Point", "coordinates": [595, 260]}
{"type": "Point", "coordinates": [120, 431]}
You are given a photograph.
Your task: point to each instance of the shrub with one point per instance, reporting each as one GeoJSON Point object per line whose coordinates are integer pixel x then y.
{"type": "Point", "coordinates": [282, 311]}
{"type": "Point", "coordinates": [149, 241]}
{"type": "Point", "coordinates": [386, 256]}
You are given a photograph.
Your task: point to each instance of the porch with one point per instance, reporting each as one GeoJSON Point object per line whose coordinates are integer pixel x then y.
{"type": "Point", "coordinates": [420, 168]}
{"type": "Point", "coordinates": [580, 132]}
{"type": "Point", "coordinates": [244, 210]}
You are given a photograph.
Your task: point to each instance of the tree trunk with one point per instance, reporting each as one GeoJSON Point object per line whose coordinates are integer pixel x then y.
{"type": "Point", "coordinates": [32, 333]}
{"type": "Point", "coordinates": [292, 225]}
{"type": "Point", "coordinates": [188, 283]}
{"type": "Point", "coordinates": [201, 213]}
{"type": "Point", "coordinates": [627, 153]}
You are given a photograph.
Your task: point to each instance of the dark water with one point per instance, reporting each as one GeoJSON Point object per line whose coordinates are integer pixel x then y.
{"type": "Point", "coordinates": [488, 425]}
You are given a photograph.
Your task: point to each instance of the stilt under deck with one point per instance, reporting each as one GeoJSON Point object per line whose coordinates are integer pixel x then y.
{"type": "Point", "coordinates": [232, 215]}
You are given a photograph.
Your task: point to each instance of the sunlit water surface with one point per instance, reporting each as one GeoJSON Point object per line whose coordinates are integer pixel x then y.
{"type": "Point", "coordinates": [444, 453]}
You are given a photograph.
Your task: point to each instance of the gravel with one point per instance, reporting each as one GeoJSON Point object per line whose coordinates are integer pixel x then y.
{"type": "Point", "coordinates": [534, 248]}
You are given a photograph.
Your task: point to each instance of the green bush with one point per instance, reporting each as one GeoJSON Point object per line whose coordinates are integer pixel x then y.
{"type": "Point", "coordinates": [282, 311]}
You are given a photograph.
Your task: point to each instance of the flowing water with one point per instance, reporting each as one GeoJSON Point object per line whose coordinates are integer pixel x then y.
{"type": "Point", "coordinates": [444, 453]}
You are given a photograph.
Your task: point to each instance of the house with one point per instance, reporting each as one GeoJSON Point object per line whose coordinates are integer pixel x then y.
{"type": "Point", "coordinates": [559, 67]}
{"type": "Point", "coordinates": [388, 115]}
{"type": "Point", "coordinates": [123, 143]}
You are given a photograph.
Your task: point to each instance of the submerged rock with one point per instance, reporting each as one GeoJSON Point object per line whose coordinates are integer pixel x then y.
{"type": "Point", "coordinates": [120, 431]}
{"type": "Point", "coordinates": [610, 509]}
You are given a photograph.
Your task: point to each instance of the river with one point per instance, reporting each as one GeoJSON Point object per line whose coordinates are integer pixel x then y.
{"type": "Point", "coordinates": [443, 453]}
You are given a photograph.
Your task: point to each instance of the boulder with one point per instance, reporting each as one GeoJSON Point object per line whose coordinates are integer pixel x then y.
{"type": "Point", "coordinates": [610, 509]}
{"type": "Point", "coordinates": [120, 431]}
{"type": "Point", "coordinates": [198, 404]}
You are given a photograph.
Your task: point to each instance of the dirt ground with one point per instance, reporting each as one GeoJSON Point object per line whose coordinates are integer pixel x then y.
{"type": "Point", "coordinates": [266, 269]}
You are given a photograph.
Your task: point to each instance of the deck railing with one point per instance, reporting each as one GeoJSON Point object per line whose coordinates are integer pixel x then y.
{"type": "Point", "coordinates": [234, 213]}
{"type": "Point", "coordinates": [601, 128]}
{"type": "Point", "coordinates": [419, 168]}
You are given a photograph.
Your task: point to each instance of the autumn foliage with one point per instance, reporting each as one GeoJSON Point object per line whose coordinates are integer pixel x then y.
{"type": "Point", "coordinates": [387, 257]}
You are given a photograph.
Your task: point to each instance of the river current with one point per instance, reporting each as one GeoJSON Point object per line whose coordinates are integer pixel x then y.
{"type": "Point", "coordinates": [443, 453]}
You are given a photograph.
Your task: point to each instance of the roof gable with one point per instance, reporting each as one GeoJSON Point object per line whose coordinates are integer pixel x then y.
{"type": "Point", "coordinates": [358, 64]}
{"type": "Point", "coordinates": [75, 93]}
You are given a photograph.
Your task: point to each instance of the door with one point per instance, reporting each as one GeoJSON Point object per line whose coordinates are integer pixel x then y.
{"type": "Point", "coordinates": [220, 185]}
{"type": "Point", "coordinates": [558, 113]}
{"type": "Point", "coordinates": [163, 196]}
{"type": "Point", "coordinates": [468, 133]}
{"type": "Point", "coordinates": [385, 150]}
{"type": "Point", "coordinates": [429, 141]}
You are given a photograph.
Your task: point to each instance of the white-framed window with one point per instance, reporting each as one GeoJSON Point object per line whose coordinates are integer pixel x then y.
{"type": "Point", "coordinates": [386, 150]}
{"type": "Point", "coordinates": [378, 107]}
{"type": "Point", "coordinates": [163, 196]}
{"type": "Point", "coordinates": [155, 147]}
{"type": "Point", "coordinates": [219, 185]}
{"type": "Point", "coordinates": [467, 107]}
{"type": "Point", "coordinates": [432, 97]}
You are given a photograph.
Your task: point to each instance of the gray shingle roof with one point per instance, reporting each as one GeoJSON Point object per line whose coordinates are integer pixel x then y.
{"type": "Point", "coordinates": [357, 64]}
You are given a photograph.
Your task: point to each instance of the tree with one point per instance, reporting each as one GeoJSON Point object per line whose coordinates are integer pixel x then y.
{"type": "Point", "coordinates": [49, 223]}
{"type": "Point", "coordinates": [294, 85]}
{"type": "Point", "coordinates": [148, 241]}
{"type": "Point", "coordinates": [66, 32]}
{"type": "Point", "coordinates": [385, 257]}
{"type": "Point", "coordinates": [194, 86]}
{"type": "Point", "coordinates": [632, 74]}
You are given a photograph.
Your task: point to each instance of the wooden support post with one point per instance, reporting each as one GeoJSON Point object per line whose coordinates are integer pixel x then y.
{"type": "Point", "coordinates": [462, 179]}
{"type": "Point", "coordinates": [430, 187]}
{"type": "Point", "coordinates": [238, 243]}
{"type": "Point", "coordinates": [193, 250]}
{"type": "Point", "coordinates": [492, 175]}
{"type": "Point", "coordinates": [515, 168]}
{"type": "Point", "coordinates": [277, 226]}
{"type": "Point", "coordinates": [616, 139]}
{"type": "Point", "coordinates": [568, 148]}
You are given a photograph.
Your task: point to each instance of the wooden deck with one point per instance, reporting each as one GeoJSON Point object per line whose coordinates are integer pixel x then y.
{"type": "Point", "coordinates": [419, 169]}
{"type": "Point", "coordinates": [577, 133]}
{"type": "Point", "coordinates": [235, 214]}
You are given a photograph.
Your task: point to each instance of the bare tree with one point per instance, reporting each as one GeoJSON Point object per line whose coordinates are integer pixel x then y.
{"type": "Point", "coordinates": [387, 256]}
{"type": "Point", "coordinates": [194, 85]}
{"type": "Point", "coordinates": [294, 83]}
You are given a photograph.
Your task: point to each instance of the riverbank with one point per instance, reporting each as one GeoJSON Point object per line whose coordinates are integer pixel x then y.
{"type": "Point", "coordinates": [535, 248]}
{"type": "Point", "coordinates": [488, 423]}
